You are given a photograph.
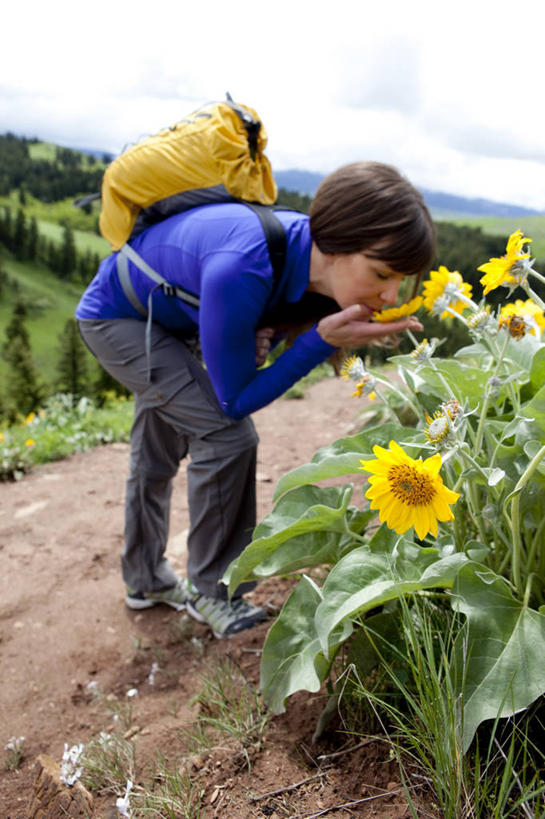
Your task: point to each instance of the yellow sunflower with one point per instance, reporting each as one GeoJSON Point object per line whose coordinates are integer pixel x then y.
{"type": "Point", "coordinates": [396, 313]}
{"type": "Point", "coordinates": [521, 317]}
{"type": "Point", "coordinates": [408, 492]}
{"type": "Point", "coordinates": [443, 287]}
{"type": "Point", "coordinates": [500, 271]}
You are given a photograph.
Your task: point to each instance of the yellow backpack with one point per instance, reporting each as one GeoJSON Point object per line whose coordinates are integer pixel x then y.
{"type": "Point", "coordinates": [213, 155]}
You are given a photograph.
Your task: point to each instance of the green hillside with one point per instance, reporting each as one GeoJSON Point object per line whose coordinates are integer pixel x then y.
{"type": "Point", "coordinates": [532, 226]}
{"type": "Point", "coordinates": [49, 302]}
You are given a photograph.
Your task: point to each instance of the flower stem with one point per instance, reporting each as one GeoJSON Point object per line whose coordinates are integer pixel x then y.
{"type": "Point", "coordinates": [482, 419]}
{"type": "Point", "coordinates": [533, 295]}
{"type": "Point", "coordinates": [515, 517]}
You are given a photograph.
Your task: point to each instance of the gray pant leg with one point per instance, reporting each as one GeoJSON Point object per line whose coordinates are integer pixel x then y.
{"type": "Point", "coordinates": [178, 412]}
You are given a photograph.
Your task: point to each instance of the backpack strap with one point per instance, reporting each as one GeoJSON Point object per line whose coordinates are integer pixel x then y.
{"type": "Point", "coordinates": [275, 237]}
{"type": "Point", "coordinates": [126, 253]}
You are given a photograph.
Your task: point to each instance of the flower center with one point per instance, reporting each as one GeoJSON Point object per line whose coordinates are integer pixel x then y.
{"type": "Point", "coordinates": [409, 486]}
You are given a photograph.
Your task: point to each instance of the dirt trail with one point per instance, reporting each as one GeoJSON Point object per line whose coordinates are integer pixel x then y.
{"type": "Point", "coordinates": [63, 624]}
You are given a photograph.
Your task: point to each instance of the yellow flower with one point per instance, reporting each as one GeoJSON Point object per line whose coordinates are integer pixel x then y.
{"type": "Point", "coordinates": [503, 270]}
{"type": "Point", "coordinates": [29, 419]}
{"type": "Point", "coordinates": [408, 492]}
{"type": "Point", "coordinates": [365, 387]}
{"type": "Point", "coordinates": [30, 442]}
{"type": "Point", "coordinates": [2, 438]}
{"type": "Point", "coordinates": [395, 313]}
{"type": "Point", "coordinates": [437, 427]}
{"type": "Point", "coordinates": [522, 317]}
{"type": "Point", "coordinates": [353, 367]}
{"type": "Point", "coordinates": [443, 289]}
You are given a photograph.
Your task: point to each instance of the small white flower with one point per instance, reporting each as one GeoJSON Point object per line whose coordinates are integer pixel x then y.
{"type": "Point", "coordinates": [122, 802]}
{"type": "Point", "coordinates": [70, 771]}
{"type": "Point", "coordinates": [153, 672]}
{"type": "Point", "coordinates": [104, 739]}
{"type": "Point", "coordinates": [132, 692]}
{"type": "Point", "coordinates": [14, 744]}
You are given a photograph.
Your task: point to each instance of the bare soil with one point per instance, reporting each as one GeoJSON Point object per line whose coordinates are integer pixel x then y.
{"type": "Point", "coordinates": [63, 624]}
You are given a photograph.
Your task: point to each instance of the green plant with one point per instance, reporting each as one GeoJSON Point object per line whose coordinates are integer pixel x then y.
{"type": "Point", "coordinates": [14, 753]}
{"type": "Point", "coordinates": [474, 535]}
{"type": "Point", "coordinates": [175, 794]}
{"type": "Point", "coordinates": [229, 707]}
{"type": "Point", "coordinates": [108, 762]}
{"type": "Point", "coordinates": [63, 426]}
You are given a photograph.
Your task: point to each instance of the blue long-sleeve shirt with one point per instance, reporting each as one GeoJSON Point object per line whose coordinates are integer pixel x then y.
{"type": "Point", "coordinates": [219, 253]}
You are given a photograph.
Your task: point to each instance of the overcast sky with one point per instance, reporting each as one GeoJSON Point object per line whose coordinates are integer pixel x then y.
{"type": "Point", "coordinates": [451, 93]}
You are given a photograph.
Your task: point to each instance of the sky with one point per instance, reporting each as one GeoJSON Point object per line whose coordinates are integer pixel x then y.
{"type": "Point", "coordinates": [452, 94]}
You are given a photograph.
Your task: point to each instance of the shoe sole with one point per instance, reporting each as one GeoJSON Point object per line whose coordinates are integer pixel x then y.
{"type": "Point", "coordinates": [201, 619]}
{"type": "Point", "coordinates": [218, 634]}
{"type": "Point", "coordinates": [138, 605]}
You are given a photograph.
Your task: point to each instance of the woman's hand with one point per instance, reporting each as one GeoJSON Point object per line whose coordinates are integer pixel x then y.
{"type": "Point", "coordinates": [348, 329]}
{"type": "Point", "coordinates": [263, 338]}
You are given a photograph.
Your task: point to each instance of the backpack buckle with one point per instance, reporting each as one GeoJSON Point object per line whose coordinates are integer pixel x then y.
{"type": "Point", "coordinates": [168, 289]}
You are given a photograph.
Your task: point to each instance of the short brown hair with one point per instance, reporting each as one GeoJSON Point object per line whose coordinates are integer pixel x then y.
{"type": "Point", "coordinates": [370, 207]}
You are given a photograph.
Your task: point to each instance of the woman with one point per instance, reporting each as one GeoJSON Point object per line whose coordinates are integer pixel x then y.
{"type": "Point", "coordinates": [368, 228]}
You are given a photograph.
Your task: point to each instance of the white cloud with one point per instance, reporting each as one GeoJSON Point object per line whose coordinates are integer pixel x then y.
{"type": "Point", "coordinates": [450, 94]}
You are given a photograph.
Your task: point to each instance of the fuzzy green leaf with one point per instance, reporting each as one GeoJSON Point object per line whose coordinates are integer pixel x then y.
{"type": "Point", "coordinates": [343, 457]}
{"type": "Point", "coordinates": [368, 577]}
{"type": "Point", "coordinates": [292, 657]}
{"type": "Point", "coordinates": [505, 645]}
{"type": "Point", "coordinates": [305, 510]}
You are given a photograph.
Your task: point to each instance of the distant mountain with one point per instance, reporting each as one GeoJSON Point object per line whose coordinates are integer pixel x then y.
{"type": "Point", "coordinates": [439, 203]}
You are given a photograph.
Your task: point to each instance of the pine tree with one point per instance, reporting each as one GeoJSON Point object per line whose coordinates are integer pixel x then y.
{"type": "Point", "coordinates": [25, 391]}
{"type": "Point", "coordinates": [6, 227]}
{"type": "Point", "coordinates": [19, 243]}
{"type": "Point", "coordinates": [17, 327]}
{"type": "Point", "coordinates": [72, 369]}
{"type": "Point", "coordinates": [33, 237]}
{"type": "Point", "coordinates": [67, 254]}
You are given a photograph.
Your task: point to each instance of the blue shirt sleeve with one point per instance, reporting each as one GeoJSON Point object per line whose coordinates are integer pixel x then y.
{"type": "Point", "coordinates": [233, 296]}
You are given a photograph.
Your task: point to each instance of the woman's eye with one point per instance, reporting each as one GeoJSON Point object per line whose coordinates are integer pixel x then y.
{"type": "Point", "coordinates": [383, 277]}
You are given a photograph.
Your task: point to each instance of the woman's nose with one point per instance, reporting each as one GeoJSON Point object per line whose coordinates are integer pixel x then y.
{"type": "Point", "coordinates": [390, 291]}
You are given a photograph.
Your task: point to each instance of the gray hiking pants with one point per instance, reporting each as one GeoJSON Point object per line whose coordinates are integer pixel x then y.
{"type": "Point", "coordinates": [175, 415]}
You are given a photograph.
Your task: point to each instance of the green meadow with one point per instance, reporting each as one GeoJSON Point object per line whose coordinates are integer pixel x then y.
{"type": "Point", "coordinates": [532, 226]}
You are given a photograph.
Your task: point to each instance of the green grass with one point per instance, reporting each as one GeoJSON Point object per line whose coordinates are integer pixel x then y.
{"type": "Point", "coordinates": [62, 212]}
{"type": "Point", "coordinates": [84, 240]}
{"type": "Point", "coordinates": [532, 226]}
{"type": "Point", "coordinates": [42, 150]}
{"type": "Point", "coordinates": [50, 303]}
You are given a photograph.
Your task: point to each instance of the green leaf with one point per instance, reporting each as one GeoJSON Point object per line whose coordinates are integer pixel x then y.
{"type": "Point", "coordinates": [535, 409]}
{"type": "Point", "coordinates": [343, 457]}
{"type": "Point", "coordinates": [505, 643]}
{"type": "Point", "coordinates": [369, 576]}
{"type": "Point", "coordinates": [537, 371]}
{"type": "Point", "coordinates": [314, 548]}
{"type": "Point", "coordinates": [304, 510]}
{"type": "Point", "coordinates": [495, 476]}
{"type": "Point", "coordinates": [465, 381]}
{"type": "Point", "coordinates": [292, 658]}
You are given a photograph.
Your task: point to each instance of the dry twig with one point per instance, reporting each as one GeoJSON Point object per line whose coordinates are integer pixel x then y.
{"type": "Point", "coordinates": [288, 787]}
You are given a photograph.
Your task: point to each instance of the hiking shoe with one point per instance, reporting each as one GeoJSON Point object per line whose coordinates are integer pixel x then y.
{"type": "Point", "coordinates": [225, 618]}
{"type": "Point", "coordinates": [177, 597]}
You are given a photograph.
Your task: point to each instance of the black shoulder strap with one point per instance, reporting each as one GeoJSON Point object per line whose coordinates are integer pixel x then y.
{"type": "Point", "coordinates": [275, 236]}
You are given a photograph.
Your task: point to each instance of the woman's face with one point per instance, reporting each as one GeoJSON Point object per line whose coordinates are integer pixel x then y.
{"type": "Point", "coordinates": [354, 278]}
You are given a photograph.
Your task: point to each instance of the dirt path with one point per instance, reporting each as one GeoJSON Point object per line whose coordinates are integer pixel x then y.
{"type": "Point", "coordinates": [63, 624]}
